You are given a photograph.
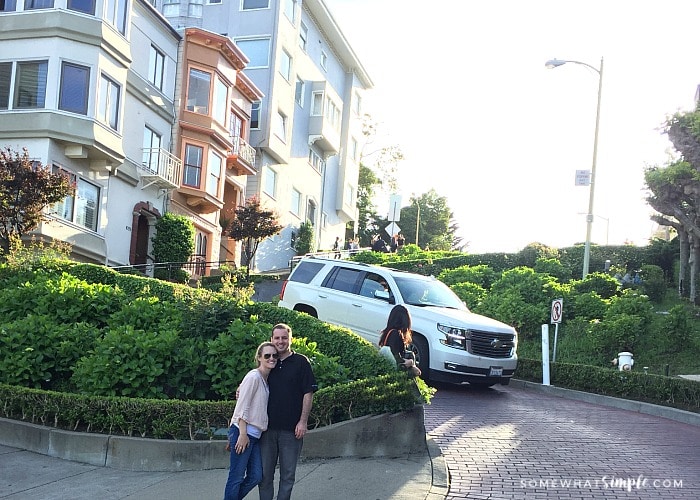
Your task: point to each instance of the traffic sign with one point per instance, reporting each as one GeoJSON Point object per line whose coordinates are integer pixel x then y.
{"type": "Point", "coordinates": [557, 310]}
{"type": "Point", "coordinates": [583, 178]}
{"type": "Point", "coordinates": [392, 229]}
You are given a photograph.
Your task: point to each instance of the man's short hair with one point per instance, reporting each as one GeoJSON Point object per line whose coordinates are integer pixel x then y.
{"type": "Point", "coordinates": [282, 326]}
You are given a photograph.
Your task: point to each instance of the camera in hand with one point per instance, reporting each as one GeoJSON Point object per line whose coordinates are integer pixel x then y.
{"type": "Point", "coordinates": [410, 355]}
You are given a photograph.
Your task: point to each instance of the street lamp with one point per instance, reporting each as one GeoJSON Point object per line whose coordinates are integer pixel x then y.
{"type": "Point", "coordinates": [555, 63]}
{"type": "Point", "coordinates": [417, 217]}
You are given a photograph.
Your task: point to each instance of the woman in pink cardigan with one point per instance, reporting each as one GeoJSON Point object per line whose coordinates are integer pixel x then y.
{"type": "Point", "coordinates": [248, 423]}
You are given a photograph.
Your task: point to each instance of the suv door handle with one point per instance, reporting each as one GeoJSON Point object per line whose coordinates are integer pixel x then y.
{"type": "Point", "coordinates": [357, 305]}
{"type": "Point", "coordinates": [323, 296]}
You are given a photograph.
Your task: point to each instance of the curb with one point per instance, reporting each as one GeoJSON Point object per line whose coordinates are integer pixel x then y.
{"type": "Point", "coordinates": [440, 484]}
{"type": "Point", "coordinates": [683, 416]}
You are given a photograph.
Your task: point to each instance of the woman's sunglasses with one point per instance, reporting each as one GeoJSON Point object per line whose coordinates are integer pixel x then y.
{"type": "Point", "coordinates": [267, 355]}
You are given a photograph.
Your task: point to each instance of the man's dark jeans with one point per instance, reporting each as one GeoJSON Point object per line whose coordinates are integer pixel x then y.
{"type": "Point", "coordinates": [283, 446]}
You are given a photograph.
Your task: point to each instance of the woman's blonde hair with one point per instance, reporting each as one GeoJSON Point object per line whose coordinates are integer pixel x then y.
{"type": "Point", "coordinates": [259, 352]}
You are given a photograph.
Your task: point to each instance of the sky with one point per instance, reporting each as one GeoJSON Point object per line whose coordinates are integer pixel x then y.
{"type": "Point", "coordinates": [461, 87]}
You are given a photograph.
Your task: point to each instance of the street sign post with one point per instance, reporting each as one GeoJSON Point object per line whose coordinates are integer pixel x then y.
{"type": "Point", "coordinates": [583, 178]}
{"type": "Point", "coordinates": [555, 317]}
{"type": "Point", "coordinates": [392, 229]}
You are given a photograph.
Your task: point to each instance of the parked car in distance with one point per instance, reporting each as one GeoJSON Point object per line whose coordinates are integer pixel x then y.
{"type": "Point", "coordinates": [451, 343]}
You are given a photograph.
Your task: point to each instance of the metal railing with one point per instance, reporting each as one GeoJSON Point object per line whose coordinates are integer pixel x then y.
{"type": "Point", "coordinates": [158, 161]}
{"type": "Point", "coordinates": [197, 266]}
{"type": "Point", "coordinates": [329, 254]}
{"type": "Point", "coordinates": [244, 150]}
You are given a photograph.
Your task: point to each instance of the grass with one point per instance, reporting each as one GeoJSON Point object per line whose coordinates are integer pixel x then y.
{"type": "Point", "coordinates": [657, 350]}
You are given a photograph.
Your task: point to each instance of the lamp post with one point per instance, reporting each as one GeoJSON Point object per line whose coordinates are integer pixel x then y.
{"type": "Point", "coordinates": [417, 218]}
{"type": "Point", "coordinates": [555, 63]}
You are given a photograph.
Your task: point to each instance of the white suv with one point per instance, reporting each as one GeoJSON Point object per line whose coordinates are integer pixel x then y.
{"type": "Point", "coordinates": [451, 343]}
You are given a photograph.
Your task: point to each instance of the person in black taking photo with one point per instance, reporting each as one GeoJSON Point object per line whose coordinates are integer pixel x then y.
{"type": "Point", "coordinates": [292, 386]}
{"type": "Point", "coordinates": [397, 336]}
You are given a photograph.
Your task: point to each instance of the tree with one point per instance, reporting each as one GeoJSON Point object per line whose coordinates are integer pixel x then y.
{"type": "Point", "coordinates": [366, 220]}
{"type": "Point", "coordinates": [26, 189]}
{"type": "Point", "coordinates": [436, 226]}
{"type": "Point", "coordinates": [173, 243]}
{"type": "Point", "coordinates": [304, 242]}
{"type": "Point", "coordinates": [251, 225]}
{"type": "Point", "coordinates": [675, 193]}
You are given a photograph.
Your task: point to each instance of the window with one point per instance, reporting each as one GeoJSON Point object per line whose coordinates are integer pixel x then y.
{"type": "Point", "coordinates": [316, 161]}
{"type": "Point", "coordinates": [193, 165]}
{"type": "Point", "coordinates": [38, 4]}
{"type": "Point", "coordinates": [214, 1]}
{"type": "Point", "coordinates": [220, 104]}
{"type": "Point", "coordinates": [290, 7]}
{"type": "Point", "coordinates": [280, 128]}
{"type": "Point", "coordinates": [270, 185]}
{"type": "Point", "coordinates": [358, 104]}
{"type": "Point", "coordinates": [30, 84]}
{"type": "Point", "coordinates": [198, 91]}
{"type": "Point", "coordinates": [108, 111]}
{"type": "Point", "coordinates": [194, 8]}
{"type": "Point", "coordinates": [303, 36]}
{"type": "Point", "coordinates": [295, 206]}
{"type": "Point", "coordinates": [255, 115]}
{"type": "Point", "coordinates": [116, 14]}
{"type": "Point", "coordinates": [85, 6]}
{"type": "Point", "coordinates": [255, 4]}
{"type": "Point", "coordinates": [311, 212]}
{"type": "Point", "coordinates": [151, 149]}
{"type": "Point", "coordinates": [354, 149]}
{"type": "Point", "coordinates": [257, 50]}
{"type": "Point", "coordinates": [81, 208]}
{"type": "Point", "coordinates": [299, 92]}
{"type": "Point", "coordinates": [8, 5]}
{"type": "Point", "coordinates": [236, 125]}
{"type": "Point", "coordinates": [5, 79]}
{"type": "Point", "coordinates": [324, 60]}
{"type": "Point", "coordinates": [156, 67]}
{"type": "Point", "coordinates": [75, 87]}
{"type": "Point", "coordinates": [349, 195]}
{"type": "Point", "coordinates": [171, 8]}
{"type": "Point", "coordinates": [285, 65]}
{"type": "Point", "coordinates": [213, 173]}
{"type": "Point", "coordinates": [317, 104]}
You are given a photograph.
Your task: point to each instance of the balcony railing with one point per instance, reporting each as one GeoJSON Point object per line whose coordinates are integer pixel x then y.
{"type": "Point", "coordinates": [161, 168]}
{"type": "Point", "coordinates": [244, 151]}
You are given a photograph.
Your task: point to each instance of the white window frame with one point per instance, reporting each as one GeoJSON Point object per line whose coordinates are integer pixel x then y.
{"type": "Point", "coordinates": [75, 208]}
{"type": "Point", "coordinates": [171, 8]}
{"type": "Point", "coordinates": [198, 108]}
{"type": "Point", "coordinates": [214, 166]}
{"type": "Point", "coordinates": [255, 115]}
{"type": "Point", "coordinates": [156, 67]}
{"type": "Point", "coordinates": [220, 103]}
{"type": "Point", "coordinates": [41, 81]}
{"type": "Point", "coordinates": [67, 86]}
{"type": "Point", "coordinates": [270, 182]}
{"type": "Point", "coordinates": [194, 8]}
{"type": "Point", "coordinates": [254, 63]}
{"type": "Point", "coordinates": [303, 36]}
{"type": "Point", "coordinates": [280, 126]}
{"type": "Point", "coordinates": [151, 140]}
{"type": "Point", "coordinates": [299, 91]}
{"type": "Point", "coordinates": [243, 7]}
{"type": "Point", "coordinates": [285, 67]}
{"type": "Point", "coordinates": [109, 102]}
{"type": "Point", "coordinates": [290, 10]}
{"type": "Point", "coordinates": [324, 60]}
{"type": "Point", "coordinates": [295, 205]}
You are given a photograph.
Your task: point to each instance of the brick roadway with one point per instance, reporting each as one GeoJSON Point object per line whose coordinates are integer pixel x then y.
{"type": "Point", "coordinates": [507, 442]}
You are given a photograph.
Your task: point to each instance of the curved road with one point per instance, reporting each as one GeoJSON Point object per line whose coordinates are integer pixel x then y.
{"type": "Point", "coordinates": [508, 442]}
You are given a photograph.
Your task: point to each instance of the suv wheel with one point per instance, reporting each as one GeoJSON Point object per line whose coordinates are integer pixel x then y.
{"type": "Point", "coordinates": [306, 309]}
{"type": "Point", "coordinates": [420, 348]}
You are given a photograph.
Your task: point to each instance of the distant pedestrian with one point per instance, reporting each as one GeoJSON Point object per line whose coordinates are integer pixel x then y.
{"type": "Point", "coordinates": [400, 241]}
{"type": "Point", "coordinates": [247, 425]}
{"type": "Point", "coordinates": [378, 244]}
{"type": "Point", "coordinates": [336, 248]}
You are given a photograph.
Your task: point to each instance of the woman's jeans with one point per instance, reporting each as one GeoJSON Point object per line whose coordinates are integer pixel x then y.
{"type": "Point", "coordinates": [245, 471]}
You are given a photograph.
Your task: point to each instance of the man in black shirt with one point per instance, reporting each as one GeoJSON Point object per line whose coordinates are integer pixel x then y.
{"type": "Point", "coordinates": [292, 385]}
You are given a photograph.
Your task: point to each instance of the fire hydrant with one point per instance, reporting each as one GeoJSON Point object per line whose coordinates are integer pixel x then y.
{"type": "Point", "coordinates": [625, 361]}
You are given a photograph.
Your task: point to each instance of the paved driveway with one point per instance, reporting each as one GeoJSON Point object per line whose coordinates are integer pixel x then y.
{"type": "Point", "coordinates": [508, 442]}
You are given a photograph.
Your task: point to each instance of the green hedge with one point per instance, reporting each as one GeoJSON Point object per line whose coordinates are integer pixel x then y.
{"type": "Point", "coordinates": [175, 419]}
{"type": "Point", "coordinates": [657, 389]}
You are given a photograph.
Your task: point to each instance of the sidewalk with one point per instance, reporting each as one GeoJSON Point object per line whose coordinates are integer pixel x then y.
{"type": "Point", "coordinates": [25, 475]}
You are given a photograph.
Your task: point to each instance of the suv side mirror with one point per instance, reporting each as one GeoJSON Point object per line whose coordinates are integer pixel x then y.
{"type": "Point", "coordinates": [384, 295]}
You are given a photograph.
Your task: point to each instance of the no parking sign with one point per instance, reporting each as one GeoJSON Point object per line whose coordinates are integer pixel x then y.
{"type": "Point", "coordinates": [557, 310]}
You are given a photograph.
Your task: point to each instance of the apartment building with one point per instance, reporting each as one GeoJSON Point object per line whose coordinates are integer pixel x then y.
{"type": "Point", "coordinates": [307, 130]}
{"type": "Point", "coordinates": [111, 95]}
{"type": "Point", "coordinates": [84, 85]}
{"type": "Point", "coordinates": [214, 106]}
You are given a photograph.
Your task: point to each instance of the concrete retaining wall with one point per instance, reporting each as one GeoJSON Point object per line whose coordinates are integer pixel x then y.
{"type": "Point", "coordinates": [386, 435]}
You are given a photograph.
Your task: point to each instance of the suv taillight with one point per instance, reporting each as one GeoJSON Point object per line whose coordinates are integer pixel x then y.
{"type": "Point", "coordinates": [284, 285]}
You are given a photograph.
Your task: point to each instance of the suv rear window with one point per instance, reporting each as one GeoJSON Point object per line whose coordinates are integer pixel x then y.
{"type": "Point", "coordinates": [305, 272]}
